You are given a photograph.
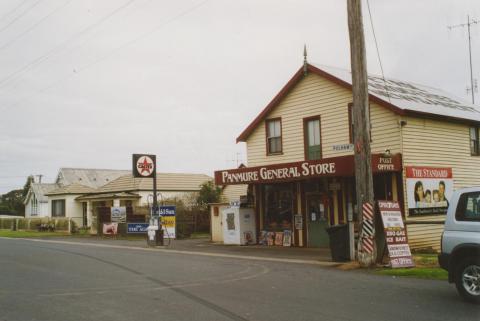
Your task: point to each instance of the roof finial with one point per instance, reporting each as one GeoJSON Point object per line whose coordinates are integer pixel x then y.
{"type": "Point", "coordinates": [305, 59]}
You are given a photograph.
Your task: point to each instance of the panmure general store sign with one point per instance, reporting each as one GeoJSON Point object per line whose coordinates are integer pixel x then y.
{"type": "Point", "coordinates": [335, 166]}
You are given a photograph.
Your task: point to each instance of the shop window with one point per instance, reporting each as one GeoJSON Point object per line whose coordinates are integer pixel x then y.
{"type": "Point", "coordinates": [468, 208]}
{"type": "Point", "coordinates": [278, 207]}
{"type": "Point", "coordinates": [274, 136]}
{"type": "Point", "coordinates": [58, 208]}
{"type": "Point", "coordinates": [350, 122]}
{"type": "Point", "coordinates": [312, 138]}
{"type": "Point", "coordinates": [474, 141]}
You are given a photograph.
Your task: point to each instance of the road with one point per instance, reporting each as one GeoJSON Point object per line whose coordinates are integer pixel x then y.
{"type": "Point", "coordinates": [49, 281]}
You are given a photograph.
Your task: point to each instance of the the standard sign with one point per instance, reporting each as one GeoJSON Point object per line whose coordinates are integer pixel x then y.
{"type": "Point", "coordinates": [137, 228]}
{"type": "Point", "coordinates": [395, 234]}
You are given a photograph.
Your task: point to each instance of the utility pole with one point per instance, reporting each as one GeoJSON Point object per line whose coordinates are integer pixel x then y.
{"type": "Point", "coordinates": [366, 250]}
{"type": "Point", "coordinates": [473, 86]}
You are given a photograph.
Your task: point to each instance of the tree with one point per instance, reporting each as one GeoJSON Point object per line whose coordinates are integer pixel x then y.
{"type": "Point", "coordinates": [12, 202]}
{"type": "Point", "coordinates": [27, 185]}
{"type": "Point", "coordinates": [209, 193]}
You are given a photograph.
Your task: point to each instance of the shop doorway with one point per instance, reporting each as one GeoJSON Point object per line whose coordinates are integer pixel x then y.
{"type": "Point", "coordinates": [317, 221]}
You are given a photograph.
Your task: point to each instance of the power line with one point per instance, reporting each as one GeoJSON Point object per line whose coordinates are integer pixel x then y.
{"type": "Point", "coordinates": [64, 44]}
{"type": "Point", "coordinates": [9, 43]}
{"type": "Point", "coordinates": [378, 51]}
{"type": "Point", "coordinates": [20, 15]}
{"type": "Point", "coordinates": [109, 54]}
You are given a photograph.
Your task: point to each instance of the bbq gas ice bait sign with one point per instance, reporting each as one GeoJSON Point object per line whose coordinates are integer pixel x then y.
{"type": "Point", "coordinates": [143, 165]}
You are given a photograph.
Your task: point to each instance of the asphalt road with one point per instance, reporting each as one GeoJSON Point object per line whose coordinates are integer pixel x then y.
{"type": "Point", "coordinates": [47, 281]}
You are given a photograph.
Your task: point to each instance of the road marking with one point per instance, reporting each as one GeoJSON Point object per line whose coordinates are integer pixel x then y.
{"type": "Point", "coordinates": [210, 254]}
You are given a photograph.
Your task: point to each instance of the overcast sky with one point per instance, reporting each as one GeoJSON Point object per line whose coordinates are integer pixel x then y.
{"type": "Point", "coordinates": [87, 83]}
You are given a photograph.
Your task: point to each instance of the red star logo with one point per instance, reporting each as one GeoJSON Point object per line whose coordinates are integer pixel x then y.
{"type": "Point", "coordinates": [145, 166]}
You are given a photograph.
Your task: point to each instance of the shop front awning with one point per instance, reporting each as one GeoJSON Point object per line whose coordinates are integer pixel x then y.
{"type": "Point", "coordinates": [342, 166]}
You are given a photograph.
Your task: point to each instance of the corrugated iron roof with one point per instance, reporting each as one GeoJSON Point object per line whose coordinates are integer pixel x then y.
{"type": "Point", "coordinates": [412, 96]}
{"type": "Point", "coordinates": [401, 97]}
{"type": "Point", "coordinates": [90, 177]}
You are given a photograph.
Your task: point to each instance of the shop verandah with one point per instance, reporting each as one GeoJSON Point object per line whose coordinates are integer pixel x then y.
{"type": "Point", "coordinates": [305, 198]}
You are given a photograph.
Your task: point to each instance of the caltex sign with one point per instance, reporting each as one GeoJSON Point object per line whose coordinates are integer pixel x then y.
{"type": "Point", "coordinates": [143, 165]}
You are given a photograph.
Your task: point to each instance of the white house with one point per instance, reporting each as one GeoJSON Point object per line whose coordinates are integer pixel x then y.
{"type": "Point", "coordinates": [36, 202]}
{"type": "Point", "coordinates": [78, 191]}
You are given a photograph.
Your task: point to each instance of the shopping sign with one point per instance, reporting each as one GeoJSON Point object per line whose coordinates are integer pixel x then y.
{"type": "Point", "coordinates": [168, 219]}
{"type": "Point", "coordinates": [143, 165]}
{"type": "Point", "coordinates": [395, 234]}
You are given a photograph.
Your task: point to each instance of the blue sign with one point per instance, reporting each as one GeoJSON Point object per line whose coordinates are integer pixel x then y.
{"type": "Point", "coordinates": [137, 227]}
{"type": "Point", "coordinates": [167, 210]}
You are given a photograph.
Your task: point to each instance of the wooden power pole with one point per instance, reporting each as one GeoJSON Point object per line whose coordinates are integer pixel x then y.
{"type": "Point", "coordinates": [366, 251]}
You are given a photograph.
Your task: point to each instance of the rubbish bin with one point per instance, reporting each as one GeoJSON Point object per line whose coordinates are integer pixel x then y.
{"type": "Point", "coordinates": [339, 245]}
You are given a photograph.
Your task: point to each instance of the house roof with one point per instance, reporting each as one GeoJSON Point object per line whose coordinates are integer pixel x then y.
{"type": "Point", "coordinates": [401, 97]}
{"type": "Point", "coordinates": [74, 188]}
{"type": "Point", "coordinates": [165, 182]}
{"type": "Point", "coordinates": [90, 177]}
{"type": "Point", "coordinates": [40, 190]}
{"type": "Point", "coordinates": [118, 195]}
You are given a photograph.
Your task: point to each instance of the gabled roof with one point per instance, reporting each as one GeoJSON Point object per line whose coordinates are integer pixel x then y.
{"type": "Point", "coordinates": [165, 182]}
{"type": "Point", "coordinates": [74, 188]}
{"type": "Point", "coordinates": [40, 190]}
{"type": "Point", "coordinates": [90, 177]}
{"type": "Point", "coordinates": [401, 97]}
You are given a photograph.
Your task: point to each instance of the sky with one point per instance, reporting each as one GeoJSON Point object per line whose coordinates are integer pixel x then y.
{"type": "Point", "coordinates": [87, 83]}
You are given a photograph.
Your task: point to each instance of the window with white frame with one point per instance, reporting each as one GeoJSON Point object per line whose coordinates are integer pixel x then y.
{"type": "Point", "coordinates": [58, 208]}
{"type": "Point", "coordinates": [274, 136]}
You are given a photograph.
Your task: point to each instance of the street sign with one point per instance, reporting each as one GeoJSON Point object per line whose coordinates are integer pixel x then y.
{"type": "Point", "coordinates": [395, 235]}
{"type": "Point", "coordinates": [137, 228]}
{"type": "Point", "coordinates": [144, 165]}
{"type": "Point", "coordinates": [118, 214]}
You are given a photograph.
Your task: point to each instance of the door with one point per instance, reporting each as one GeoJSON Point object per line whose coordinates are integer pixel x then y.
{"type": "Point", "coordinates": [317, 221]}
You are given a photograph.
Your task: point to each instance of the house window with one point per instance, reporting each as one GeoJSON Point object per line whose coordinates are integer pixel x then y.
{"type": "Point", "coordinates": [350, 122]}
{"type": "Point", "coordinates": [58, 208]}
{"type": "Point", "coordinates": [474, 141]}
{"type": "Point", "coordinates": [34, 204]}
{"type": "Point", "coordinates": [313, 146]}
{"type": "Point", "coordinates": [274, 136]}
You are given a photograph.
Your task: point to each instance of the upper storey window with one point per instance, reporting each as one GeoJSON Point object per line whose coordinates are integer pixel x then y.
{"type": "Point", "coordinates": [313, 146]}
{"type": "Point", "coordinates": [274, 136]}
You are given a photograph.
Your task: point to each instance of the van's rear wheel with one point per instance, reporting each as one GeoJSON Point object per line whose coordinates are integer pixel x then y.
{"type": "Point", "coordinates": [467, 279]}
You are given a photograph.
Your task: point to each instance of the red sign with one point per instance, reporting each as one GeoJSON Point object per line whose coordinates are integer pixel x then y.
{"type": "Point", "coordinates": [428, 172]}
{"type": "Point", "coordinates": [334, 166]}
{"type": "Point", "coordinates": [395, 234]}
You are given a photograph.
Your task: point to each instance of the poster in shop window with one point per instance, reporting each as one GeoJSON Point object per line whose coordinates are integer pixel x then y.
{"type": "Point", "coordinates": [395, 235]}
{"type": "Point", "coordinates": [429, 190]}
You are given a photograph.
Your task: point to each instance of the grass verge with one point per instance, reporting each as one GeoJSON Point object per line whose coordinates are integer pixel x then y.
{"type": "Point", "coordinates": [426, 267]}
{"type": "Point", "coordinates": [26, 234]}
